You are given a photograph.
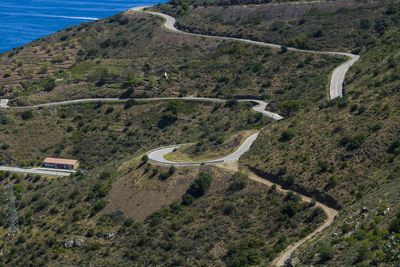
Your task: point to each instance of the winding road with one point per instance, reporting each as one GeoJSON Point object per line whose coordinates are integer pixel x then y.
{"type": "Point", "coordinates": [338, 75]}
{"type": "Point", "coordinates": [157, 155]}
{"type": "Point", "coordinates": [335, 90]}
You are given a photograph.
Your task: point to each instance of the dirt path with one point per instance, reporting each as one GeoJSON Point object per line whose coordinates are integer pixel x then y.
{"type": "Point", "coordinates": [330, 213]}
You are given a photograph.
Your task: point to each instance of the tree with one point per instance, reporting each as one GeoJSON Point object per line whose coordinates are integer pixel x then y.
{"type": "Point", "coordinates": [287, 135]}
{"type": "Point", "coordinates": [44, 68]}
{"type": "Point", "coordinates": [283, 49]}
{"type": "Point", "coordinates": [290, 106]}
{"type": "Point", "coordinates": [49, 85]}
{"type": "Point", "coordinates": [27, 114]}
{"type": "Point", "coordinates": [238, 182]}
{"type": "Point", "coordinates": [200, 186]}
{"type": "Point", "coordinates": [365, 24]}
{"type": "Point", "coordinates": [326, 251]}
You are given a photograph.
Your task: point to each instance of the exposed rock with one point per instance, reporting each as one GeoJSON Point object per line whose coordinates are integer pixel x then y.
{"type": "Point", "coordinates": [109, 235]}
{"type": "Point", "coordinates": [68, 244]}
{"type": "Point", "coordinates": [78, 242]}
{"type": "Point", "coordinates": [386, 211]}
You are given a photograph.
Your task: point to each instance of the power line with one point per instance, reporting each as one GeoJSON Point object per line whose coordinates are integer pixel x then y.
{"type": "Point", "coordinates": [12, 212]}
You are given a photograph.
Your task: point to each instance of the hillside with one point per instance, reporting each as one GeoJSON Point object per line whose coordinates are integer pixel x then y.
{"type": "Point", "coordinates": [341, 25]}
{"type": "Point", "coordinates": [132, 56]}
{"type": "Point", "coordinates": [343, 153]}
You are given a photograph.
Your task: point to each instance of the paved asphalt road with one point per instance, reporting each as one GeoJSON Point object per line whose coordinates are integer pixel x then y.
{"type": "Point", "coordinates": [157, 155]}
{"type": "Point", "coordinates": [35, 171]}
{"type": "Point", "coordinates": [338, 75]}
{"type": "Point", "coordinates": [261, 105]}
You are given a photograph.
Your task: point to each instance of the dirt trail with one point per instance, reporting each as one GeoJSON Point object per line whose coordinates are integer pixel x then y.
{"type": "Point", "coordinates": [330, 213]}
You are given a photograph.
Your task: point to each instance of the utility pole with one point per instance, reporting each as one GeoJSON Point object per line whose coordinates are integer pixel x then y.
{"type": "Point", "coordinates": [12, 212]}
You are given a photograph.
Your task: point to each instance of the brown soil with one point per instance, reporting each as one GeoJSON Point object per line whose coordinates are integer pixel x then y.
{"type": "Point", "coordinates": [141, 196]}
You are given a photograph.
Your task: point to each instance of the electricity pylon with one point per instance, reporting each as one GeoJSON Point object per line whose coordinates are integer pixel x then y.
{"type": "Point", "coordinates": [12, 212]}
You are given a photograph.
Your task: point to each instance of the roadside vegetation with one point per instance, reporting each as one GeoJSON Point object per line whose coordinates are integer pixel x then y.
{"type": "Point", "coordinates": [341, 25]}
{"type": "Point", "coordinates": [344, 152]}
{"type": "Point", "coordinates": [99, 133]}
{"type": "Point", "coordinates": [130, 55]}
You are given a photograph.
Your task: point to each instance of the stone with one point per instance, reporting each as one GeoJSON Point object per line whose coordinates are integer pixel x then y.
{"type": "Point", "coordinates": [386, 211]}
{"type": "Point", "coordinates": [109, 235]}
{"type": "Point", "coordinates": [68, 244]}
{"type": "Point", "coordinates": [78, 242]}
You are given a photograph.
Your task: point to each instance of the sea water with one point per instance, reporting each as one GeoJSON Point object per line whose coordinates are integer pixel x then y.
{"type": "Point", "coordinates": [22, 21]}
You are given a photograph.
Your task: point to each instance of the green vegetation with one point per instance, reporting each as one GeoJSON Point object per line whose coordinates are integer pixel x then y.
{"type": "Point", "coordinates": [97, 133]}
{"type": "Point", "coordinates": [140, 59]}
{"type": "Point", "coordinates": [341, 25]}
{"type": "Point", "coordinates": [343, 152]}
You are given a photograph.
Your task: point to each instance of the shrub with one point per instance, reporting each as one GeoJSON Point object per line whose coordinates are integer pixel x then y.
{"type": "Point", "coordinates": [27, 115]}
{"type": "Point", "coordinates": [291, 208]}
{"type": "Point", "coordinates": [395, 225]}
{"type": "Point", "coordinates": [365, 24]}
{"type": "Point", "coordinates": [109, 110]}
{"type": "Point", "coordinates": [290, 106]}
{"type": "Point", "coordinates": [44, 68]}
{"type": "Point", "coordinates": [283, 49]}
{"type": "Point", "coordinates": [200, 186]}
{"type": "Point", "coordinates": [229, 208]}
{"type": "Point", "coordinates": [187, 199]}
{"type": "Point", "coordinates": [231, 103]}
{"type": "Point", "coordinates": [287, 135]}
{"type": "Point", "coordinates": [21, 239]}
{"type": "Point", "coordinates": [92, 246]}
{"type": "Point", "coordinates": [238, 182]}
{"type": "Point", "coordinates": [5, 146]}
{"type": "Point", "coordinates": [353, 142]}
{"type": "Point", "coordinates": [326, 251]}
{"type": "Point", "coordinates": [54, 210]}
{"type": "Point", "coordinates": [145, 159]}
{"type": "Point", "coordinates": [49, 85]}
{"type": "Point", "coordinates": [394, 148]}
{"type": "Point", "coordinates": [167, 119]}
{"type": "Point", "coordinates": [41, 205]}
{"type": "Point", "coordinates": [19, 188]}
{"type": "Point", "coordinates": [130, 103]}
{"type": "Point", "coordinates": [166, 175]}
{"type": "Point", "coordinates": [100, 205]}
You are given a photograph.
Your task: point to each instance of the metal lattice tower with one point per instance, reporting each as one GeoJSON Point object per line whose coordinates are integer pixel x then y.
{"type": "Point", "coordinates": [12, 212]}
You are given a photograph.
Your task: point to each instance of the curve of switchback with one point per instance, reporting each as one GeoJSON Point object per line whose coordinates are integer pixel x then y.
{"type": "Point", "coordinates": [335, 90]}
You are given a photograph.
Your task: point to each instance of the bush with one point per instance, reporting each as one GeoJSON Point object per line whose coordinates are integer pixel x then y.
{"type": "Point", "coordinates": [49, 85]}
{"type": "Point", "coordinates": [238, 182]}
{"type": "Point", "coordinates": [287, 135]}
{"type": "Point", "coordinates": [353, 142]}
{"type": "Point", "coordinates": [231, 103]}
{"type": "Point", "coordinates": [109, 110]}
{"type": "Point", "coordinates": [21, 239]}
{"type": "Point", "coordinates": [19, 188]}
{"type": "Point", "coordinates": [326, 251]}
{"type": "Point", "coordinates": [130, 103]}
{"type": "Point", "coordinates": [394, 148]}
{"type": "Point", "coordinates": [395, 225]}
{"type": "Point", "coordinates": [100, 205]}
{"type": "Point", "coordinates": [166, 175]}
{"type": "Point", "coordinates": [92, 246]}
{"type": "Point", "coordinates": [27, 114]}
{"type": "Point", "coordinates": [145, 159]}
{"type": "Point", "coordinates": [290, 106]}
{"type": "Point", "coordinates": [200, 186]}
{"type": "Point", "coordinates": [187, 199]}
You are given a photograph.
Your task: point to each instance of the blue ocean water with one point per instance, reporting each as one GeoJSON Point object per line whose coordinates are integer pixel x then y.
{"type": "Point", "coordinates": [22, 21]}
